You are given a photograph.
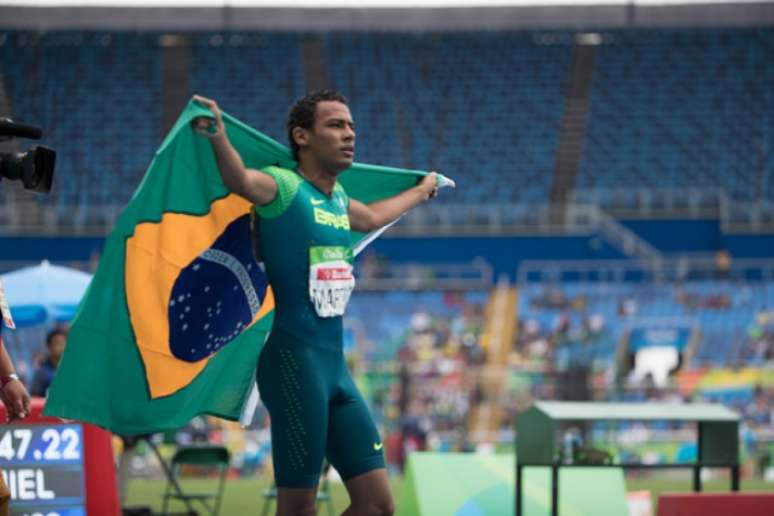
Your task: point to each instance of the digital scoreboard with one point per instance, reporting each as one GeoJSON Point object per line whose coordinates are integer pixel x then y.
{"type": "Point", "coordinates": [42, 464]}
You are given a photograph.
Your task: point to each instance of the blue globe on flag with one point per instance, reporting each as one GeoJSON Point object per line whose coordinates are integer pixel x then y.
{"type": "Point", "coordinates": [216, 297]}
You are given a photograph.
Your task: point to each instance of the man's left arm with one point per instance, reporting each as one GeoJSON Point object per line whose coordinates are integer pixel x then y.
{"type": "Point", "coordinates": [369, 217]}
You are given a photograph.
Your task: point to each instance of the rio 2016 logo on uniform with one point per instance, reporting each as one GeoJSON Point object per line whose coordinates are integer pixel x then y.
{"type": "Point", "coordinates": [327, 218]}
{"type": "Point", "coordinates": [333, 253]}
{"type": "Point", "coordinates": [193, 286]}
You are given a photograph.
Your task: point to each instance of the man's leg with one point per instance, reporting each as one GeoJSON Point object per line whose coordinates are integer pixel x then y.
{"type": "Point", "coordinates": [370, 495]}
{"type": "Point", "coordinates": [295, 395]}
{"type": "Point", "coordinates": [296, 501]}
{"type": "Point", "coordinates": [355, 449]}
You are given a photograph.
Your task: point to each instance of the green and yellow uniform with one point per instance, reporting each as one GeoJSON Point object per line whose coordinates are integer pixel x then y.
{"type": "Point", "coordinates": [315, 407]}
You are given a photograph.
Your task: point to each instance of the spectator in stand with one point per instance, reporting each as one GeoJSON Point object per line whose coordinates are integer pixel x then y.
{"type": "Point", "coordinates": [723, 264]}
{"type": "Point", "coordinates": [759, 411]}
{"type": "Point", "coordinates": [628, 307]}
{"type": "Point", "coordinates": [55, 344]}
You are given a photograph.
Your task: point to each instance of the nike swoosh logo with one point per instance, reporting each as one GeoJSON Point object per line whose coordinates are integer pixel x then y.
{"type": "Point", "coordinates": [378, 446]}
{"type": "Point", "coordinates": [316, 202]}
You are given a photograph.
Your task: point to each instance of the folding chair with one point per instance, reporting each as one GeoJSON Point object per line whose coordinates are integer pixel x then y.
{"type": "Point", "coordinates": [210, 457]}
{"type": "Point", "coordinates": [323, 493]}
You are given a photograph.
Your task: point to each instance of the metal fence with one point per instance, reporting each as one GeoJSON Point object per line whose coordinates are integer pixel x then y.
{"type": "Point", "coordinates": [585, 211]}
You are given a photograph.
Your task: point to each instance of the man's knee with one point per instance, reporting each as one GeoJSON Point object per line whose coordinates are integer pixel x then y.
{"type": "Point", "coordinates": [296, 508]}
{"type": "Point", "coordinates": [384, 507]}
{"type": "Point", "coordinates": [387, 508]}
{"type": "Point", "coordinates": [296, 502]}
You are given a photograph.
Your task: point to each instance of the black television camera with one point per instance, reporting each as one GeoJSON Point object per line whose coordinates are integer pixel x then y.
{"type": "Point", "coordinates": [35, 168]}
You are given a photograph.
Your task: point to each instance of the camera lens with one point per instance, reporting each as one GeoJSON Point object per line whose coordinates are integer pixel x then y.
{"type": "Point", "coordinates": [38, 169]}
{"type": "Point", "coordinates": [35, 168]}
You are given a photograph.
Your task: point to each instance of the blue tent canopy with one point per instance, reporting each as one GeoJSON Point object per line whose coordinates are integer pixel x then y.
{"type": "Point", "coordinates": [44, 293]}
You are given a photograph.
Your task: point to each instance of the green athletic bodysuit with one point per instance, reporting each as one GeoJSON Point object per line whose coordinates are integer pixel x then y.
{"type": "Point", "coordinates": [316, 410]}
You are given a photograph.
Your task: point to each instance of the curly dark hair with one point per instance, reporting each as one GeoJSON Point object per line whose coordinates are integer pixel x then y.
{"type": "Point", "coordinates": [302, 112]}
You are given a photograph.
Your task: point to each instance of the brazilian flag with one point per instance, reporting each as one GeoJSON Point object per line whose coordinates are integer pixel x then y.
{"type": "Point", "coordinates": [177, 313]}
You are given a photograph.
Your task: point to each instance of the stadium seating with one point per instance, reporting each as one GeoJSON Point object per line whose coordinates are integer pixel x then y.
{"type": "Point", "coordinates": [673, 108]}
{"type": "Point", "coordinates": [725, 312]}
{"type": "Point", "coordinates": [682, 109]}
{"type": "Point", "coordinates": [97, 97]}
{"type": "Point", "coordinates": [485, 108]}
{"type": "Point", "coordinates": [253, 76]}
{"type": "Point", "coordinates": [386, 318]}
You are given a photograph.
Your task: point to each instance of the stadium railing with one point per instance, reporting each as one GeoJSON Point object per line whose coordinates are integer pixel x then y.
{"type": "Point", "coordinates": [736, 216]}
{"type": "Point", "coordinates": [682, 268]}
{"type": "Point", "coordinates": [454, 219]}
{"type": "Point", "coordinates": [477, 275]}
{"type": "Point", "coordinates": [654, 202]}
{"type": "Point", "coordinates": [588, 210]}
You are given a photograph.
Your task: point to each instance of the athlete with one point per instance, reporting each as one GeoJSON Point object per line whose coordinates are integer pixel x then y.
{"type": "Point", "coordinates": [304, 218]}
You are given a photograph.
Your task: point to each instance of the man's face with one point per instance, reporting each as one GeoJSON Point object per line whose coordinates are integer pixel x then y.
{"type": "Point", "coordinates": [331, 142]}
{"type": "Point", "coordinates": [57, 346]}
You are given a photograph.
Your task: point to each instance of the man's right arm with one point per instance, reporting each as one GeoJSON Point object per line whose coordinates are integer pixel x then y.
{"type": "Point", "coordinates": [12, 391]}
{"type": "Point", "coordinates": [255, 186]}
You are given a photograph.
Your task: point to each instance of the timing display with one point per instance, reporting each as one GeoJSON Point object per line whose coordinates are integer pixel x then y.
{"type": "Point", "coordinates": [43, 468]}
{"type": "Point", "coordinates": [41, 443]}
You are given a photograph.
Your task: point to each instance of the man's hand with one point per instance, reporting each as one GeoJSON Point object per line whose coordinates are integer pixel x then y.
{"type": "Point", "coordinates": [428, 185]}
{"type": "Point", "coordinates": [377, 214]}
{"type": "Point", "coordinates": [206, 126]}
{"type": "Point", "coordinates": [255, 186]}
{"type": "Point", "coordinates": [16, 400]}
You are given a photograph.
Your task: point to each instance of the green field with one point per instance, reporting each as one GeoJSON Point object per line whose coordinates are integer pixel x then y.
{"type": "Point", "coordinates": [244, 495]}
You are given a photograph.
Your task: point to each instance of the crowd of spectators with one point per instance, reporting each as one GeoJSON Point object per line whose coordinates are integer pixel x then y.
{"type": "Point", "coordinates": [427, 405]}
{"type": "Point", "coordinates": [427, 401]}
{"type": "Point", "coordinates": [549, 341]}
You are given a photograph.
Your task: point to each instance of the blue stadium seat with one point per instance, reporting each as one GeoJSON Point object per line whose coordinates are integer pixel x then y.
{"type": "Point", "coordinates": [673, 108]}
{"type": "Point", "coordinates": [485, 108]}
{"type": "Point", "coordinates": [723, 331]}
{"type": "Point", "coordinates": [97, 97]}
{"type": "Point", "coordinates": [253, 76]}
{"type": "Point", "coordinates": [682, 108]}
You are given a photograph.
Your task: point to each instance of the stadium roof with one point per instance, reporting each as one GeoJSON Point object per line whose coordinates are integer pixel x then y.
{"type": "Point", "coordinates": [394, 15]}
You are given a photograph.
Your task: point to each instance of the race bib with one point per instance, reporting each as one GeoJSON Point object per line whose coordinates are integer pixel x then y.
{"type": "Point", "coordinates": [5, 310]}
{"type": "Point", "coordinates": [330, 279]}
